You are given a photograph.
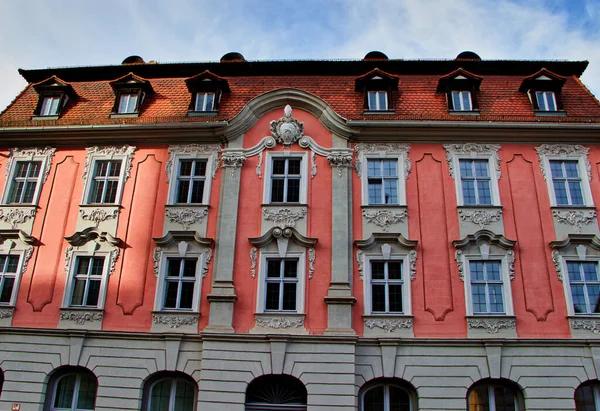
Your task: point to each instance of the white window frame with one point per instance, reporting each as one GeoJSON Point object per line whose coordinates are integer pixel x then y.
{"type": "Point", "coordinates": [55, 101]}
{"type": "Point", "coordinates": [582, 162]}
{"type": "Point", "coordinates": [564, 258]}
{"type": "Point", "coordinates": [491, 158]}
{"type": "Point", "coordinates": [406, 284]}
{"type": "Point", "coordinates": [204, 108]}
{"type": "Point", "coordinates": [76, 388]}
{"type": "Point", "coordinates": [262, 280]}
{"type": "Point", "coordinates": [461, 108]}
{"type": "Point", "coordinates": [176, 158]}
{"type": "Point", "coordinates": [43, 155]}
{"type": "Point", "coordinates": [545, 95]}
{"type": "Point", "coordinates": [506, 283]}
{"type": "Point", "coordinates": [18, 275]}
{"type": "Point", "coordinates": [160, 285]}
{"type": "Point", "coordinates": [70, 283]}
{"type": "Point", "coordinates": [138, 96]}
{"type": "Point", "coordinates": [174, 380]}
{"type": "Point", "coordinates": [377, 108]}
{"type": "Point", "coordinates": [401, 159]}
{"type": "Point", "coordinates": [303, 175]}
{"type": "Point", "coordinates": [123, 154]}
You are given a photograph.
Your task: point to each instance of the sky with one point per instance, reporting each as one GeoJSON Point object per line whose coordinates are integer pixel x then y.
{"type": "Point", "coordinates": [40, 34]}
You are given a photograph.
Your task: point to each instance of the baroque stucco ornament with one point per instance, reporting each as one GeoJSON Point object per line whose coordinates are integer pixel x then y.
{"type": "Point", "coordinates": [188, 151]}
{"type": "Point", "coordinates": [472, 150]}
{"type": "Point", "coordinates": [280, 322]}
{"type": "Point", "coordinates": [233, 161]}
{"type": "Point", "coordinates": [389, 325]}
{"type": "Point", "coordinates": [576, 218]}
{"type": "Point", "coordinates": [287, 130]}
{"type": "Point", "coordinates": [124, 152]}
{"type": "Point", "coordinates": [384, 218]}
{"type": "Point", "coordinates": [98, 214]}
{"type": "Point", "coordinates": [16, 215]}
{"type": "Point", "coordinates": [30, 154]}
{"type": "Point", "coordinates": [480, 217]}
{"type": "Point", "coordinates": [491, 325]}
{"type": "Point", "coordinates": [365, 149]}
{"type": "Point", "coordinates": [174, 320]}
{"type": "Point", "coordinates": [284, 217]}
{"type": "Point", "coordinates": [6, 312]}
{"type": "Point", "coordinates": [587, 325]}
{"type": "Point", "coordinates": [563, 151]}
{"type": "Point", "coordinates": [253, 252]}
{"type": "Point", "coordinates": [81, 317]}
{"type": "Point", "coordinates": [186, 216]}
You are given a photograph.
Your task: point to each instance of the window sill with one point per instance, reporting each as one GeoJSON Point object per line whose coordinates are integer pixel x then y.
{"type": "Point", "coordinates": [183, 321]}
{"type": "Point", "coordinates": [180, 205]}
{"type": "Point", "coordinates": [202, 113]}
{"type": "Point", "coordinates": [369, 112]}
{"type": "Point", "coordinates": [384, 206]}
{"type": "Point", "coordinates": [492, 325]}
{"type": "Point", "coordinates": [384, 324]}
{"type": "Point", "coordinates": [45, 118]}
{"type": "Point", "coordinates": [463, 112]}
{"type": "Point", "coordinates": [572, 207]}
{"type": "Point", "coordinates": [477, 207]}
{"type": "Point", "coordinates": [18, 216]}
{"type": "Point", "coordinates": [284, 204]}
{"type": "Point", "coordinates": [560, 113]}
{"type": "Point", "coordinates": [124, 115]}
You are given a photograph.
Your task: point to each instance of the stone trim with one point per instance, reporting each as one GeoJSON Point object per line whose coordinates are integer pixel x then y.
{"type": "Point", "coordinates": [591, 324]}
{"type": "Point", "coordinates": [81, 316]}
{"type": "Point", "coordinates": [6, 312]}
{"type": "Point", "coordinates": [312, 256]}
{"type": "Point", "coordinates": [340, 161]}
{"type": "Point", "coordinates": [253, 253]}
{"type": "Point", "coordinates": [97, 215]}
{"type": "Point", "coordinates": [186, 216]}
{"type": "Point", "coordinates": [175, 319]}
{"type": "Point", "coordinates": [492, 325]}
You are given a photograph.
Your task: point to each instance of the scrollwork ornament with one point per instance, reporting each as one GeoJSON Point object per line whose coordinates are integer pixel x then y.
{"type": "Point", "coordinates": [557, 264]}
{"type": "Point", "coordinates": [26, 258]}
{"type": "Point", "coordinates": [563, 151]}
{"type": "Point", "coordinates": [193, 151]}
{"type": "Point", "coordinates": [339, 161]}
{"type": "Point", "coordinates": [207, 257]}
{"type": "Point", "coordinates": [460, 264]}
{"type": "Point", "coordinates": [68, 257]}
{"type": "Point", "coordinates": [510, 258]}
{"type": "Point", "coordinates": [587, 325]}
{"type": "Point", "coordinates": [389, 325]}
{"type": "Point", "coordinates": [387, 148]}
{"type": "Point", "coordinates": [359, 263]}
{"type": "Point", "coordinates": [412, 261]}
{"type": "Point", "coordinates": [81, 317]}
{"type": "Point", "coordinates": [30, 154]}
{"type": "Point", "coordinates": [156, 257]}
{"type": "Point", "coordinates": [16, 215]}
{"type": "Point", "coordinates": [259, 165]}
{"type": "Point", "coordinates": [312, 255]}
{"type": "Point", "coordinates": [253, 253]}
{"type": "Point", "coordinates": [480, 217]}
{"type": "Point", "coordinates": [280, 322]}
{"type": "Point", "coordinates": [576, 218]}
{"type": "Point", "coordinates": [470, 149]}
{"type": "Point", "coordinates": [284, 217]}
{"type": "Point", "coordinates": [233, 161]}
{"type": "Point", "coordinates": [6, 312]}
{"type": "Point", "coordinates": [491, 325]}
{"type": "Point", "coordinates": [313, 165]}
{"type": "Point", "coordinates": [287, 130]}
{"type": "Point", "coordinates": [174, 320]}
{"type": "Point", "coordinates": [114, 255]}
{"type": "Point", "coordinates": [384, 218]}
{"type": "Point", "coordinates": [186, 216]}
{"type": "Point", "coordinates": [124, 152]}
{"type": "Point", "coordinates": [99, 214]}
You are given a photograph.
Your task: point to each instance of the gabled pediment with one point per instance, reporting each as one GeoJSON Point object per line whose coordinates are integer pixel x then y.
{"type": "Point", "coordinates": [590, 240]}
{"type": "Point", "coordinates": [385, 238]}
{"type": "Point", "coordinates": [459, 79]}
{"type": "Point", "coordinates": [206, 81]}
{"type": "Point", "coordinates": [486, 236]}
{"type": "Point", "coordinates": [174, 237]}
{"type": "Point", "coordinates": [54, 84]}
{"type": "Point", "coordinates": [543, 80]}
{"type": "Point", "coordinates": [131, 81]}
{"type": "Point", "coordinates": [376, 78]}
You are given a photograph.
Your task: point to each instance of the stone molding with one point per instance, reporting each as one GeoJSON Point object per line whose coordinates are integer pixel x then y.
{"type": "Point", "coordinates": [279, 322]}
{"type": "Point", "coordinates": [186, 216]}
{"type": "Point", "coordinates": [586, 324]}
{"type": "Point", "coordinates": [453, 150]}
{"type": "Point", "coordinates": [460, 264]}
{"type": "Point", "coordinates": [384, 218]}
{"type": "Point", "coordinates": [156, 256]}
{"type": "Point", "coordinates": [97, 215]}
{"type": "Point", "coordinates": [193, 150]}
{"type": "Point", "coordinates": [126, 152]}
{"type": "Point", "coordinates": [480, 217]}
{"type": "Point", "coordinates": [575, 218]}
{"type": "Point", "coordinates": [287, 130]}
{"type": "Point", "coordinates": [492, 325]}
{"type": "Point", "coordinates": [557, 263]}
{"type": "Point", "coordinates": [389, 325]}
{"type": "Point", "coordinates": [80, 317]}
{"type": "Point", "coordinates": [339, 161]}
{"type": "Point", "coordinates": [259, 165]}
{"type": "Point", "coordinates": [410, 258]}
{"type": "Point", "coordinates": [6, 312]}
{"type": "Point", "coordinates": [175, 320]}
{"type": "Point", "coordinates": [233, 161]}
{"type": "Point", "coordinates": [388, 148]}
{"type": "Point", "coordinates": [31, 153]}
{"type": "Point", "coordinates": [17, 215]}
{"type": "Point", "coordinates": [284, 217]}
{"type": "Point", "coordinates": [563, 151]}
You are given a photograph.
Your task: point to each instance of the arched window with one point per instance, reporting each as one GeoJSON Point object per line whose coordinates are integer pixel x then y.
{"type": "Point", "coordinates": [72, 389]}
{"type": "Point", "coordinates": [276, 392]}
{"type": "Point", "coordinates": [387, 394]}
{"type": "Point", "coordinates": [587, 396]}
{"type": "Point", "coordinates": [495, 395]}
{"type": "Point", "coordinates": [170, 391]}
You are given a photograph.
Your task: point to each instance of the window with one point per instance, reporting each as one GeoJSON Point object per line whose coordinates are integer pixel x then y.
{"type": "Point", "coordinates": [105, 183]}
{"type": "Point", "coordinates": [191, 179]}
{"type": "Point", "coordinates": [9, 269]}
{"type": "Point", "coordinates": [487, 292]}
{"type": "Point", "coordinates": [25, 179]}
{"type": "Point", "coordinates": [461, 101]}
{"type": "Point", "coordinates": [281, 285]}
{"type": "Point", "coordinates": [204, 102]}
{"type": "Point", "coordinates": [383, 181]}
{"type": "Point", "coordinates": [180, 283]}
{"type": "Point", "coordinates": [130, 93]}
{"type": "Point", "coordinates": [585, 286]}
{"type": "Point", "coordinates": [546, 100]}
{"type": "Point", "coordinates": [286, 179]}
{"type": "Point", "coordinates": [109, 168]}
{"type": "Point", "coordinates": [475, 182]}
{"type": "Point", "coordinates": [276, 392]}
{"type": "Point", "coordinates": [495, 396]}
{"type": "Point", "coordinates": [387, 395]}
{"type": "Point", "coordinates": [170, 392]}
{"type": "Point", "coordinates": [544, 90]}
{"type": "Point", "coordinates": [128, 103]}
{"type": "Point", "coordinates": [378, 100]}
{"type": "Point", "coordinates": [587, 397]}
{"type": "Point", "coordinates": [72, 390]}
{"type": "Point", "coordinates": [50, 106]}
{"type": "Point", "coordinates": [566, 182]}
{"type": "Point", "coordinates": [88, 276]}
{"type": "Point", "coordinates": [53, 96]}
{"type": "Point", "coordinates": [386, 287]}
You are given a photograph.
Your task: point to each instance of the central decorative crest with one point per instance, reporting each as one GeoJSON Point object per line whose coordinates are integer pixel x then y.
{"type": "Point", "coordinates": [287, 130]}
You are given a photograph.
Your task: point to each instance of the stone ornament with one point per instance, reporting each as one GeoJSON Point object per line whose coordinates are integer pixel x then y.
{"type": "Point", "coordinates": [6, 312]}
{"type": "Point", "coordinates": [287, 130]}
{"type": "Point", "coordinates": [312, 256]}
{"type": "Point", "coordinates": [387, 148]}
{"type": "Point", "coordinates": [384, 218]}
{"type": "Point", "coordinates": [313, 165]}
{"type": "Point", "coordinates": [284, 217]}
{"type": "Point", "coordinates": [31, 153]}
{"type": "Point", "coordinates": [510, 259]}
{"type": "Point", "coordinates": [16, 215]}
{"type": "Point", "coordinates": [480, 217]}
{"type": "Point", "coordinates": [412, 263]}
{"type": "Point", "coordinates": [339, 161]}
{"type": "Point", "coordinates": [259, 165]}
{"type": "Point", "coordinates": [280, 322]}
{"type": "Point", "coordinates": [491, 325]}
{"type": "Point", "coordinates": [113, 256]}
{"type": "Point", "coordinates": [186, 216]}
{"type": "Point", "coordinates": [233, 161]}
{"type": "Point", "coordinates": [587, 325]}
{"type": "Point", "coordinates": [389, 325]}
{"type": "Point", "coordinates": [253, 253]}
{"type": "Point", "coordinates": [193, 151]}
{"type": "Point", "coordinates": [563, 151]}
{"type": "Point", "coordinates": [98, 214]}
{"type": "Point", "coordinates": [359, 263]}
{"type": "Point", "coordinates": [557, 263]}
{"type": "Point", "coordinates": [576, 218]}
{"type": "Point", "coordinates": [469, 149]}
{"type": "Point", "coordinates": [174, 320]}
{"type": "Point", "coordinates": [207, 257]}
{"type": "Point", "coordinates": [460, 264]}
{"type": "Point", "coordinates": [125, 152]}
{"type": "Point", "coordinates": [156, 257]}
{"type": "Point", "coordinates": [81, 317]}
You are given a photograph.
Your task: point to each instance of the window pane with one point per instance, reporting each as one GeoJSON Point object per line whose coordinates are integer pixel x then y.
{"type": "Point", "coordinates": [556, 169]}
{"type": "Point", "coordinates": [493, 271]}
{"type": "Point", "coordinates": [171, 294]}
{"type": "Point", "coordinates": [200, 101]}
{"type": "Point", "coordinates": [372, 100]}
{"type": "Point", "coordinates": [395, 270]}
{"type": "Point", "coordinates": [12, 265]}
{"type": "Point", "coordinates": [479, 399]}
{"type": "Point", "coordinates": [184, 396]}
{"type": "Point", "coordinates": [377, 270]}
{"type": "Point", "coordinates": [87, 393]}
{"type": "Point", "coordinates": [277, 186]}
{"type": "Point", "coordinates": [485, 194]}
{"type": "Point", "coordinates": [160, 395]}
{"type": "Point", "coordinates": [574, 272]}
{"type": "Point", "coordinates": [293, 194]}
{"type": "Point", "coordinates": [375, 191]}
{"type": "Point", "coordinates": [64, 392]}
{"type": "Point", "coordinates": [374, 168]}
{"type": "Point", "coordinates": [382, 98]}
{"type": "Point", "coordinates": [504, 398]}
{"type": "Point", "coordinates": [571, 169]}
{"type": "Point", "coordinates": [391, 191]}
{"type": "Point", "coordinates": [289, 296]}
{"type": "Point", "coordinates": [390, 168]}
{"type": "Point", "coordinates": [97, 265]}
{"type": "Point", "coordinates": [479, 302]}
{"type": "Point", "coordinates": [7, 288]}
{"type": "Point", "coordinates": [114, 168]}
{"type": "Point", "coordinates": [78, 292]}
{"type": "Point", "coordinates": [197, 191]}
{"type": "Point", "coordinates": [468, 188]}
{"type": "Point", "coordinates": [589, 271]}
{"type": "Point", "coordinates": [481, 168]}
{"type": "Point", "coordinates": [594, 297]}
{"type": "Point", "coordinates": [395, 298]}
{"type": "Point", "coordinates": [541, 101]}
{"type": "Point", "coordinates": [578, 297]}
{"type": "Point", "coordinates": [466, 168]}
{"type": "Point", "coordinates": [173, 267]}
{"type": "Point", "coordinates": [189, 268]}
{"type": "Point", "coordinates": [187, 294]}
{"type": "Point", "coordinates": [83, 264]}
{"type": "Point", "coordinates": [294, 166]}
{"type": "Point", "coordinates": [576, 194]}
{"type": "Point", "coordinates": [466, 100]}
{"type": "Point", "coordinates": [185, 168]}
{"type": "Point", "coordinates": [209, 101]}
{"type": "Point", "coordinates": [476, 270]}
{"type": "Point", "coordinates": [110, 196]}
{"type": "Point", "coordinates": [496, 299]}
{"type": "Point", "coordinates": [17, 191]}
{"type": "Point", "coordinates": [560, 191]}
{"type": "Point", "coordinates": [29, 191]}
{"type": "Point", "coordinates": [97, 188]}
{"type": "Point", "coordinates": [274, 268]}
{"type": "Point", "coordinates": [399, 399]}
{"type": "Point", "coordinates": [373, 399]}
{"type": "Point", "coordinates": [290, 269]}
{"type": "Point", "coordinates": [278, 166]}
{"type": "Point", "coordinates": [272, 296]}
{"type": "Point", "coordinates": [200, 168]}
{"type": "Point", "coordinates": [584, 398]}
{"type": "Point", "coordinates": [455, 100]}
{"type": "Point", "coordinates": [182, 191]}
{"type": "Point", "coordinates": [378, 297]}
{"type": "Point", "coordinates": [93, 293]}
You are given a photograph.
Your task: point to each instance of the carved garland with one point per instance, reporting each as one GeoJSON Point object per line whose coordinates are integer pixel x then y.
{"type": "Point", "coordinates": [312, 256]}
{"type": "Point", "coordinates": [192, 151]}
{"type": "Point", "coordinates": [99, 214]}
{"type": "Point", "coordinates": [480, 217]}
{"type": "Point", "coordinates": [588, 325]}
{"type": "Point", "coordinates": [576, 218]}
{"type": "Point", "coordinates": [31, 153]}
{"type": "Point", "coordinates": [6, 312]}
{"type": "Point", "coordinates": [253, 252]}
{"type": "Point", "coordinates": [364, 149]}
{"type": "Point", "coordinates": [359, 263]}
{"type": "Point", "coordinates": [284, 217]}
{"type": "Point", "coordinates": [186, 216]}
{"type": "Point", "coordinates": [280, 322]}
{"type": "Point", "coordinates": [16, 215]}
{"type": "Point", "coordinates": [233, 161]}
{"type": "Point", "coordinates": [174, 320]}
{"type": "Point", "coordinates": [563, 151]}
{"type": "Point", "coordinates": [124, 152]}
{"type": "Point", "coordinates": [389, 325]}
{"type": "Point", "coordinates": [340, 161]}
{"type": "Point", "coordinates": [81, 317]}
{"type": "Point", "coordinates": [454, 150]}
{"type": "Point", "coordinates": [492, 325]}
{"type": "Point", "coordinates": [384, 218]}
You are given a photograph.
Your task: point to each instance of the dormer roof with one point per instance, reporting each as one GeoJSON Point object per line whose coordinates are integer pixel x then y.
{"type": "Point", "coordinates": [54, 84]}
{"type": "Point", "coordinates": [459, 77]}
{"type": "Point", "coordinates": [543, 79]}
{"type": "Point", "coordinates": [375, 77]}
{"type": "Point", "coordinates": [205, 81]}
{"type": "Point", "coordinates": [131, 81]}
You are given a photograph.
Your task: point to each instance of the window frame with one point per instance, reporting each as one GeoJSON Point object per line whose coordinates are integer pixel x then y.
{"type": "Point", "coordinates": [406, 284]}
{"type": "Point", "coordinates": [595, 386]}
{"type": "Point", "coordinates": [545, 93]}
{"type": "Point", "coordinates": [42, 155]}
{"type": "Point", "coordinates": [564, 259]}
{"type": "Point", "coordinates": [141, 96]}
{"type": "Point", "coordinates": [95, 154]}
{"type": "Point", "coordinates": [204, 108]}
{"type": "Point", "coordinates": [300, 257]}
{"type": "Point", "coordinates": [158, 377]}
{"type": "Point", "coordinates": [386, 383]}
{"type": "Point", "coordinates": [401, 178]}
{"type": "Point", "coordinates": [459, 92]}
{"type": "Point", "coordinates": [303, 176]}
{"type": "Point", "coordinates": [376, 92]}
{"type": "Point", "coordinates": [506, 283]}
{"type": "Point", "coordinates": [172, 392]}
{"type": "Point", "coordinates": [70, 283]}
{"type": "Point", "coordinates": [566, 179]}
{"type": "Point", "coordinates": [54, 385]}
{"type": "Point", "coordinates": [200, 258]}
{"type": "Point", "coordinates": [176, 159]}
{"type": "Point", "coordinates": [17, 276]}
{"type": "Point", "coordinates": [490, 385]}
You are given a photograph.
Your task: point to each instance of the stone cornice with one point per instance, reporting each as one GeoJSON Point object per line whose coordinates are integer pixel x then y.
{"type": "Point", "coordinates": [177, 236]}
{"type": "Point", "coordinates": [394, 238]}
{"type": "Point", "coordinates": [486, 235]}
{"type": "Point", "coordinates": [91, 234]}
{"type": "Point", "coordinates": [288, 232]}
{"type": "Point", "coordinates": [591, 240]}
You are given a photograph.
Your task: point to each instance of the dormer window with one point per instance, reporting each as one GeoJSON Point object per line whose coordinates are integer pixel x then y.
{"type": "Point", "coordinates": [130, 92]}
{"type": "Point", "coordinates": [377, 88]}
{"type": "Point", "coordinates": [461, 89]}
{"type": "Point", "coordinates": [206, 90]}
{"type": "Point", "coordinates": [544, 92]}
{"type": "Point", "coordinates": [54, 94]}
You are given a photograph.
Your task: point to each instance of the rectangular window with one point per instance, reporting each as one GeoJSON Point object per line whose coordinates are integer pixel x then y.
{"type": "Point", "coordinates": [377, 100]}
{"type": "Point", "coordinates": [585, 287]}
{"type": "Point", "coordinates": [8, 275]}
{"type": "Point", "coordinates": [487, 287]}
{"type": "Point", "coordinates": [461, 101]}
{"type": "Point", "coordinates": [25, 180]}
{"type": "Point", "coordinates": [87, 281]}
{"type": "Point", "coordinates": [50, 106]}
{"type": "Point", "coordinates": [191, 179]}
{"type": "Point", "coordinates": [105, 182]}
{"type": "Point", "coordinates": [285, 180]}
{"type": "Point", "coordinates": [180, 281]}
{"type": "Point", "coordinates": [204, 102]}
{"type": "Point", "coordinates": [386, 287]}
{"type": "Point", "coordinates": [128, 103]}
{"type": "Point", "coordinates": [475, 182]}
{"type": "Point", "coordinates": [546, 100]}
{"type": "Point", "coordinates": [566, 182]}
{"type": "Point", "coordinates": [382, 178]}
{"type": "Point", "coordinates": [281, 292]}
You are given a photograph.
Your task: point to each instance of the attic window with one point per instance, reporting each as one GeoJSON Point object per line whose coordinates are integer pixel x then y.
{"type": "Point", "coordinates": [377, 88]}
{"type": "Point", "coordinates": [544, 92]}
{"type": "Point", "coordinates": [461, 89]}
{"type": "Point", "coordinates": [130, 92]}
{"type": "Point", "coordinates": [206, 90]}
{"type": "Point", "coordinates": [53, 96]}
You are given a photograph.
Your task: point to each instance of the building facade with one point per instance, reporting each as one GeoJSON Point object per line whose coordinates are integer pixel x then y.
{"type": "Point", "coordinates": [301, 235]}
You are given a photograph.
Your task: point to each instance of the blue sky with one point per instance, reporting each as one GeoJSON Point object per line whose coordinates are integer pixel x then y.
{"type": "Point", "coordinates": [38, 34]}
